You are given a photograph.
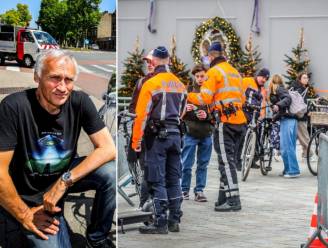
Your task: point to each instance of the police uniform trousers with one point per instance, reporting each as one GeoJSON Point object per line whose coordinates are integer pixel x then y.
{"type": "Point", "coordinates": [163, 173]}
{"type": "Point", "coordinates": [228, 145]}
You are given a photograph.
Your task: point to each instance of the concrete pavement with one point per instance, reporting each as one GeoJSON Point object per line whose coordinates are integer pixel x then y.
{"type": "Point", "coordinates": [276, 213]}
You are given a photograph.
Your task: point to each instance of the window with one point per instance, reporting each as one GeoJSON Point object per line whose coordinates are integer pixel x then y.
{"type": "Point", "coordinates": [7, 36]}
{"type": "Point", "coordinates": [26, 37]}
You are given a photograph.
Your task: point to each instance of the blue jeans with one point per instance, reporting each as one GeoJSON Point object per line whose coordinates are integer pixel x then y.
{"type": "Point", "coordinates": [288, 135]}
{"type": "Point", "coordinates": [103, 181]}
{"type": "Point", "coordinates": [204, 152]}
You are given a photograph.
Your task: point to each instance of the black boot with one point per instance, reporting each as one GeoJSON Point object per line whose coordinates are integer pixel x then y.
{"type": "Point", "coordinates": [152, 229]}
{"type": "Point", "coordinates": [173, 226]}
{"type": "Point", "coordinates": [232, 204]}
{"type": "Point", "coordinates": [221, 198]}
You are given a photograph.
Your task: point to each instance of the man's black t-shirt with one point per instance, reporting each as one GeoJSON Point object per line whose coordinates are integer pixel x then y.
{"type": "Point", "coordinates": [44, 144]}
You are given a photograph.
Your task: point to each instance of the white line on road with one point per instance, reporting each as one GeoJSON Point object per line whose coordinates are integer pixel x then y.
{"type": "Point", "coordinates": [102, 68]}
{"type": "Point", "coordinates": [83, 69]}
{"type": "Point", "coordinates": [12, 68]}
{"type": "Point", "coordinates": [111, 65]}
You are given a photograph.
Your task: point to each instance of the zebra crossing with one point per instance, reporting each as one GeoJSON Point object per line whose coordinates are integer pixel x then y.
{"type": "Point", "coordinates": [101, 70]}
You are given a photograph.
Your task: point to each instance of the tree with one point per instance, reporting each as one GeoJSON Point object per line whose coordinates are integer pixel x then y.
{"type": "Point", "coordinates": [19, 17]}
{"type": "Point", "coordinates": [249, 59]}
{"type": "Point", "coordinates": [177, 67]}
{"type": "Point", "coordinates": [298, 63]}
{"type": "Point", "coordinates": [133, 71]}
{"type": "Point", "coordinates": [69, 20]}
{"type": "Point", "coordinates": [24, 14]}
{"type": "Point", "coordinates": [10, 17]}
{"type": "Point", "coordinates": [53, 18]}
{"type": "Point", "coordinates": [84, 15]}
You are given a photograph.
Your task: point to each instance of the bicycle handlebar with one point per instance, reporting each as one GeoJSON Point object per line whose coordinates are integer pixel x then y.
{"type": "Point", "coordinates": [126, 113]}
{"type": "Point", "coordinates": [255, 107]}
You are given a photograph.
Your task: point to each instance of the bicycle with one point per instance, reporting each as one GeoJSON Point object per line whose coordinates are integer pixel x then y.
{"type": "Point", "coordinates": [107, 112]}
{"type": "Point", "coordinates": [136, 173]}
{"type": "Point", "coordinates": [319, 123]}
{"type": "Point", "coordinates": [257, 145]}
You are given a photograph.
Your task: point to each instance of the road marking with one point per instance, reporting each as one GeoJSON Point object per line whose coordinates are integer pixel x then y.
{"type": "Point", "coordinates": [12, 68]}
{"type": "Point", "coordinates": [102, 68]}
{"type": "Point", "coordinates": [111, 65]}
{"type": "Point", "coordinates": [83, 69]}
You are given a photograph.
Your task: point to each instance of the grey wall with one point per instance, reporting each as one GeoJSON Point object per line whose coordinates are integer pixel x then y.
{"type": "Point", "coordinates": [280, 23]}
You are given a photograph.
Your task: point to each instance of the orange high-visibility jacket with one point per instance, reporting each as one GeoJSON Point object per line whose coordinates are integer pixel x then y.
{"type": "Point", "coordinates": [224, 85]}
{"type": "Point", "coordinates": [163, 98]}
{"type": "Point", "coordinates": [249, 85]}
{"type": "Point", "coordinates": [249, 82]}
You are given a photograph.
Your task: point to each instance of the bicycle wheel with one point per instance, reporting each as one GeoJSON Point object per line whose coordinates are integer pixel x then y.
{"type": "Point", "coordinates": [266, 155]}
{"type": "Point", "coordinates": [248, 153]}
{"type": "Point", "coordinates": [314, 147]}
{"type": "Point", "coordinates": [108, 115]}
{"type": "Point", "coordinates": [137, 176]}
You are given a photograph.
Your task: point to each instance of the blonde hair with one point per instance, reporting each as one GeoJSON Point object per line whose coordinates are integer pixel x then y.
{"type": "Point", "coordinates": [275, 82]}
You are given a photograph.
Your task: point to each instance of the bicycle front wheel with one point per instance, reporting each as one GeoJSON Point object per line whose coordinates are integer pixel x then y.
{"type": "Point", "coordinates": [266, 156]}
{"type": "Point", "coordinates": [313, 149]}
{"type": "Point", "coordinates": [108, 115]}
{"type": "Point", "coordinates": [137, 176]}
{"type": "Point", "coordinates": [248, 153]}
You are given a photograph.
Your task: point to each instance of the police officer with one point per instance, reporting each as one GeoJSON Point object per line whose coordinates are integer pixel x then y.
{"type": "Point", "coordinates": [160, 106]}
{"type": "Point", "coordinates": [254, 88]}
{"type": "Point", "coordinates": [132, 155]}
{"type": "Point", "coordinates": [223, 91]}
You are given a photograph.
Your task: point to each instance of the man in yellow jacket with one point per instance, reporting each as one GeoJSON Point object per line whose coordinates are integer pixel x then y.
{"type": "Point", "coordinates": [224, 93]}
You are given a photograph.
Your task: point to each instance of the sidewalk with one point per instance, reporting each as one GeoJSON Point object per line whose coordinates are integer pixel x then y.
{"type": "Point", "coordinates": [276, 213]}
{"type": "Point", "coordinates": [77, 206]}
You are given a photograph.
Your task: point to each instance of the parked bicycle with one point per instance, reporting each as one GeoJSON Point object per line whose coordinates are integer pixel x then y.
{"type": "Point", "coordinates": [107, 112]}
{"type": "Point", "coordinates": [257, 145]}
{"type": "Point", "coordinates": [319, 124]}
{"type": "Point", "coordinates": [136, 173]}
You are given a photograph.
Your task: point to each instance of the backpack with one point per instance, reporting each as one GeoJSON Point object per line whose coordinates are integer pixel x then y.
{"type": "Point", "coordinates": [298, 107]}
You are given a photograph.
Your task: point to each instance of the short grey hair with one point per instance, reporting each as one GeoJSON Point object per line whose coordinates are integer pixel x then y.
{"type": "Point", "coordinates": [53, 53]}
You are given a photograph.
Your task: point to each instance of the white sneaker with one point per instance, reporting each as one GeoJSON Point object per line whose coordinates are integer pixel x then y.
{"type": "Point", "coordinates": [292, 175]}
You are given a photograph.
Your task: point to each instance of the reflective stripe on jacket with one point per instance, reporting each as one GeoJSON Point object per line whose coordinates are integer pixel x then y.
{"type": "Point", "coordinates": [162, 98]}
{"type": "Point", "coordinates": [224, 85]}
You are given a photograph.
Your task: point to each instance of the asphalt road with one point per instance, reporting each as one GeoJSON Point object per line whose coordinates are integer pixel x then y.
{"type": "Point", "coordinates": [95, 70]}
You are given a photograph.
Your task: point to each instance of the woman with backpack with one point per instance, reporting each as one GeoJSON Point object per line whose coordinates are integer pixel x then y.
{"type": "Point", "coordinates": [280, 102]}
{"type": "Point", "coordinates": [302, 86]}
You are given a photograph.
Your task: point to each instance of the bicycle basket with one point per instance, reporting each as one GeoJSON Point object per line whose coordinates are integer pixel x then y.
{"type": "Point", "coordinates": [319, 118]}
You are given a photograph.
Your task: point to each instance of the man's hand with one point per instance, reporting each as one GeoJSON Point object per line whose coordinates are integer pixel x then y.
{"type": "Point", "coordinates": [275, 108]}
{"type": "Point", "coordinates": [138, 148]}
{"type": "Point", "coordinates": [36, 220]}
{"type": "Point", "coordinates": [51, 198]}
{"type": "Point", "coordinates": [190, 107]}
{"type": "Point", "coordinates": [201, 114]}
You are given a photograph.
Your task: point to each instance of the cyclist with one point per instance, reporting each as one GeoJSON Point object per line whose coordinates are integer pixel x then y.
{"type": "Point", "coordinates": [255, 94]}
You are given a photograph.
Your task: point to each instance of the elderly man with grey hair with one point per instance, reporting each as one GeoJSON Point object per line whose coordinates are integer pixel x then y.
{"type": "Point", "coordinates": [39, 131]}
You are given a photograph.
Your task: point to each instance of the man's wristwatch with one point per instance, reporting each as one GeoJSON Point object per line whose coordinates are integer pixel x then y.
{"type": "Point", "coordinates": [66, 178]}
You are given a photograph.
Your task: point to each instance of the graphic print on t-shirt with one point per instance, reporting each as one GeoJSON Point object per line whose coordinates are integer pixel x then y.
{"type": "Point", "coordinates": [50, 157]}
